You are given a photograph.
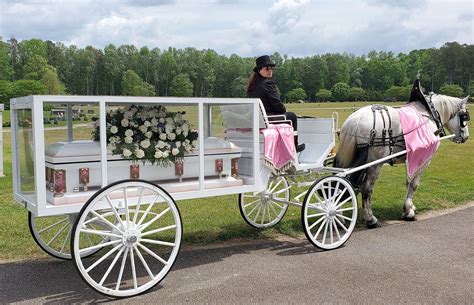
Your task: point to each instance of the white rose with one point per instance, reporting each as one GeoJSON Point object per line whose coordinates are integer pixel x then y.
{"type": "Point", "coordinates": [171, 136]}
{"type": "Point", "coordinates": [161, 144]}
{"type": "Point", "coordinates": [195, 143]}
{"type": "Point", "coordinates": [154, 122]}
{"type": "Point", "coordinates": [128, 133]}
{"type": "Point", "coordinates": [139, 153]}
{"type": "Point", "coordinates": [111, 146]}
{"type": "Point", "coordinates": [158, 154]}
{"type": "Point", "coordinates": [143, 129]}
{"type": "Point", "coordinates": [166, 154]}
{"type": "Point", "coordinates": [185, 127]}
{"type": "Point", "coordinates": [124, 123]}
{"type": "Point", "coordinates": [178, 131]}
{"type": "Point", "coordinates": [187, 141]}
{"type": "Point", "coordinates": [169, 120]}
{"type": "Point", "coordinates": [185, 133]}
{"type": "Point", "coordinates": [162, 120]}
{"type": "Point", "coordinates": [145, 144]}
{"type": "Point", "coordinates": [126, 153]}
{"type": "Point", "coordinates": [147, 124]}
{"type": "Point", "coordinates": [188, 147]}
{"type": "Point", "coordinates": [128, 140]}
{"type": "Point", "coordinates": [175, 151]}
{"type": "Point", "coordinates": [178, 144]}
{"type": "Point", "coordinates": [163, 136]}
{"type": "Point", "coordinates": [114, 129]}
{"type": "Point", "coordinates": [148, 134]}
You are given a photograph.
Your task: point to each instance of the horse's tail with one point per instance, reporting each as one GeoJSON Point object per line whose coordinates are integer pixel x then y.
{"type": "Point", "coordinates": [347, 148]}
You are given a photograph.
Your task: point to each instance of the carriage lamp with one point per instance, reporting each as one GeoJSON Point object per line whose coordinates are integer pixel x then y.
{"type": "Point", "coordinates": [179, 169]}
{"type": "Point", "coordinates": [134, 171]}
{"type": "Point", "coordinates": [84, 177]}
{"type": "Point", "coordinates": [219, 166]}
{"type": "Point", "coordinates": [59, 182]}
{"type": "Point", "coordinates": [235, 167]}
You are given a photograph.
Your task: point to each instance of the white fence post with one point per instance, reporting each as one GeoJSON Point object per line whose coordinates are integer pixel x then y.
{"type": "Point", "coordinates": [1, 141]}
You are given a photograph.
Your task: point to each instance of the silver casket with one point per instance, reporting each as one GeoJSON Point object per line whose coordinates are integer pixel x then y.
{"type": "Point", "coordinates": [73, 170]}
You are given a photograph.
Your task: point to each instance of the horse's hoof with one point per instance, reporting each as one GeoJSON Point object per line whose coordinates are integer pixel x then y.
{"type": "Point", "coordinates": [409, 218]}
{"type": "Point", "coordinates": [374, 225]}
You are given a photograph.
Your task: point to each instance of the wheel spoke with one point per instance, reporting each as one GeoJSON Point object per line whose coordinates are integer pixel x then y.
{"type": "Point", "coordinates": [273, 209]}
{"type": "Point", "coordinates": [150, 205]}
{"type": "Point", "coordinates": [250, 203]}
{"type": "Point", "coordinates": [318, 199]}
{"type": "Point", "coordinates": [113, 242]}
{"type": "Point", "coordinates": [157, 242]}
{"type": "Point", "coordinates": [127, 215]}
{"type": "Point", "coordinates": [325, 232]}
{"type": "Point", "coordinates": [137, 208]}
{"type": "Point", "coordinates": [106, 221]}
{"type": "Point", "coordinates": [263, 214]}
{"type": "Point", "coordinates": [317, 206]}
{"type": "Point", "coordinates": [101, 233]}
{"type": "Point", "coordinates": [106, 274]}
{"type": "Point", "coordinates": [346, 209]}
{"type": "Point", "coordinates": [65, 240]}
{"type": "Point", "coordinates": [330, 232]}
{"type": "Point", "coordinates": [158, 230]}
{"type": "Point", "coordinates": [320, 228]}
{"type": "Point", "coordinates": [134, 272]}
{"type": "Point", "coordinates": [343, 202]}
{"type": "Point", "coordinates": [146, 225]}
{"type": "Point", "coordinates": [341, 224]}
{"type": "Point", "coordinates": [344, 217]}
{"type": "Point", "coordinates": [336, 229]}
{"type": "Point", "coordinates": [336, 202]}
{"type": "Point", "coordinates": [103, 258]}
{"type": "Point", "coordinates": [258, 212]}
{"type": "Point", "coordinates": [315, 215]}
{"type": "Point", "coordinates": [153, 254]}
{"type": "Point", "coordinates": [275, 186]}
{"type": "Point", "coordinates": [117, 216]}
{"type": "Point", "coordinates": [53, 225]}
{"type": "Point", "coordinates": [57, 234]}
{"type": "Point", "coordinates": [140, 256]}
{"type": "Point", "coordinates": [122, 267]}
{"type": "Point", "coordinates": [282, 190]}
{"type": "Point", "coordinates": [316, 223]}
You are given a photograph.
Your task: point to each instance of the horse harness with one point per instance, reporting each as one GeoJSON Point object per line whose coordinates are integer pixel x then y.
{"type": "Point", "coordinates": [387, 138]}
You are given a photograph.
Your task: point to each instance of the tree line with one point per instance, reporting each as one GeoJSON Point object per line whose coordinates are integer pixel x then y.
{"type": "Point", "coordinates": [35, 66]}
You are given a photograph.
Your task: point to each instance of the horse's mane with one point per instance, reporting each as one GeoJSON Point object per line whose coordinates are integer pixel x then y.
{"type": "Point", "coordinates": [446, 105]}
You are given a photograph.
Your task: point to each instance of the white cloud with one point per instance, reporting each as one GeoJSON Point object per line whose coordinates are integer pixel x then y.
{"type": "Point", "coordinates": [244, 27]}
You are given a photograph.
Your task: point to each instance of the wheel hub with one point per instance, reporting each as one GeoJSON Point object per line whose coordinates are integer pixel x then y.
{"type": "Point", "coordinates": [331, 213]}
{"type": "Point", "coordinates": [130, 238]}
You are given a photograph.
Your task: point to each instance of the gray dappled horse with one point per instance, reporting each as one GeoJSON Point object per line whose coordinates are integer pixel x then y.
{"type": "Point", "coordinates": [357, 147]}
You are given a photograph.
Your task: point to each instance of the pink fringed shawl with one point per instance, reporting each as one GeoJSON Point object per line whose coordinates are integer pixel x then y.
{"type": "Point", "coordinates": [279, 146]}
{"type": "Point", "coordinates": [420, 141]}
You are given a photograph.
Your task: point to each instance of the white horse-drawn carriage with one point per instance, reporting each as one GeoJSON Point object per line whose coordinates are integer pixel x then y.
{"type": "Point", "coordinates": [116, 217]}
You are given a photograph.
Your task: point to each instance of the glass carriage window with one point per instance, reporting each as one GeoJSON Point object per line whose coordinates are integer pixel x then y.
{"type": "Point", "coordinates": [25, 152]}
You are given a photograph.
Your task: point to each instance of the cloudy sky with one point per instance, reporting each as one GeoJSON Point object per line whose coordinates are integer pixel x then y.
{"type": "Point", "coordinates": [244, 27]}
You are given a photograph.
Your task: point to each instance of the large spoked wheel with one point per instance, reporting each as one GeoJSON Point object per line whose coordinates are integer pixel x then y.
{"type": "Point", "coordinates": [329, 212]}
{"type": "Point", "coordinates": [261, 210]}
{"type": "Point", "coordinates": [144, 228]}
{"type": "Point", "coordinates": [53, 234]}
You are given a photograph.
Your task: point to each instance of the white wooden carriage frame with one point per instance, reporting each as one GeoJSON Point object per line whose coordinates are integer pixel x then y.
{"type": "Point", "coordinates": [35, 103]}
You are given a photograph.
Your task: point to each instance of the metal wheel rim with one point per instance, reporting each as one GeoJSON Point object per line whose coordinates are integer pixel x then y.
{"type": "Point", "coordinates": [260, 210]}
{"type": "Point", "coordinates": [326, 211]}
{"type": "Point", "coordinates": [130, 241]}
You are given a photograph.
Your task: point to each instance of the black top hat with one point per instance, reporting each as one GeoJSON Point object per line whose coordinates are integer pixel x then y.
{"type": "Point", "coordinates": [263, 61]}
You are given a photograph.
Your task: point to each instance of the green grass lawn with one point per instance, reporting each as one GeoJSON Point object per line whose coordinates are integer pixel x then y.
{"type": "Point", "coordinates": [446, 183]}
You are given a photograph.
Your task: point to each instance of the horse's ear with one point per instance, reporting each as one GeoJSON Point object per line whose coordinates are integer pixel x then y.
{"type": "Point", "coordinates": [465, 100]}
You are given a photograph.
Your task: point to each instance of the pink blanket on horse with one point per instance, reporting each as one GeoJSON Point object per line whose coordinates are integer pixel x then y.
{"type": "Point", "coordinates": [420, 141]}
{"type": "Point", "coordinates": [279, 146]}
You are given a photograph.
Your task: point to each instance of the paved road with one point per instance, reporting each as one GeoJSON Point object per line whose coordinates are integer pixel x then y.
{"type": "Point", "coordinates": [428, 261]}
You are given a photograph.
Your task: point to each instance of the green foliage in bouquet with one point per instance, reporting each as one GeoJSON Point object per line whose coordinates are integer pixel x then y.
{"type": "Point", "coordinates": [148, 134]}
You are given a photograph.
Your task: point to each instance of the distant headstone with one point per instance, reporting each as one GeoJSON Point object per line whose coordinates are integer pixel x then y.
{"type": "Point", "coordinates": [1, 142]}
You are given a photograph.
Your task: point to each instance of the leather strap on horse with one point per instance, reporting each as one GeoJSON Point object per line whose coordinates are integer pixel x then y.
{"type": "Point", "coordinates": [417, 95]}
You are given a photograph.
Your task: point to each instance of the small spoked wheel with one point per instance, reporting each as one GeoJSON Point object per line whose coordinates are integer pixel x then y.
{"type": "Point", "coordinates": [329, 212]}
{"type": "Point", "coordinates": [262, 210]}
{"type": "Point", "coordinates": [143, 227]}
{"type": "Point", "coordinates": [53, 234]}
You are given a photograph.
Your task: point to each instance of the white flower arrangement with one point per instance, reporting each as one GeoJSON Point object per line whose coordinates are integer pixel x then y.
{"type": "Point", "coordinates": [148, 134]}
